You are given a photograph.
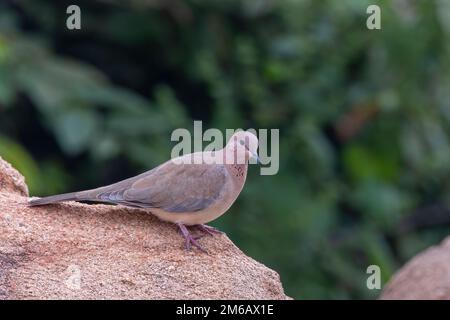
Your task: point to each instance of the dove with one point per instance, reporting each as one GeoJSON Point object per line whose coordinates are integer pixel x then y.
{"type": "Point", "coordinates": [190, 190]}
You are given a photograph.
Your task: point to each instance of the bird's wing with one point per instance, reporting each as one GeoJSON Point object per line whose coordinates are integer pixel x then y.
{"type": "Point", "coordinates": [171, 187]}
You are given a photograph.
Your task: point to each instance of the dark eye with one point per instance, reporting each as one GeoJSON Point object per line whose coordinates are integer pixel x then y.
{"type": "Point", "coordinates": [241, 142]}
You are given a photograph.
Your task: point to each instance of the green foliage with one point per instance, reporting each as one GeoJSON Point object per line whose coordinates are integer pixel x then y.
{"type": "Point", "coordinates": [20, 159]}
{"type": "Point", "coordinates": [363, 116]}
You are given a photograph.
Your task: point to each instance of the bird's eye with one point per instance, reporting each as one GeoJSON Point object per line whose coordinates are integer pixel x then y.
{"type": "Point", "coordinates": [241, 142]}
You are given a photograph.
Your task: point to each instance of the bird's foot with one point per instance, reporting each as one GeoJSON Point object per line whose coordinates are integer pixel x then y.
{"type": "Point", "coordinates": [190, 239]}
{"type": "Point", "coordinates": [209, 230]}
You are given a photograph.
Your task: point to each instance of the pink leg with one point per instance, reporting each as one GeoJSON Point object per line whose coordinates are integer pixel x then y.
{"type": "Point", "coordinates": [189, 238]}
{"type": "Point", "coordinates": [209, 230]}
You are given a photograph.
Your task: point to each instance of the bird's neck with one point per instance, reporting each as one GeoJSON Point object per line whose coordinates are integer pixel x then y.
{"type": "Point", "coordinates": [238, 172]}
{"type": "Point", "coordinates": [236, 165]}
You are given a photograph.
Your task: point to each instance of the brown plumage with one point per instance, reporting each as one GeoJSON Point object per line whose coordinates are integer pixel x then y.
{"type": "Point", "coordinates": [189, 190]}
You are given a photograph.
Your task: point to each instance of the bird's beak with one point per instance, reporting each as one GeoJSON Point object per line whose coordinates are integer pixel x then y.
{"type": "Point", "coordinates": [255, 156]}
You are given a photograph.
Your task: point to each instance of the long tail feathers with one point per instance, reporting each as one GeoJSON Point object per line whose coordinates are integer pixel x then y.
{"type": "Point", "coordinates": [53, 199]}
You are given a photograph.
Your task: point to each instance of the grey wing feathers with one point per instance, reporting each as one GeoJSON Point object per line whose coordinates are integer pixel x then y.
{"type": "Point", "coordinates": [171, 187]}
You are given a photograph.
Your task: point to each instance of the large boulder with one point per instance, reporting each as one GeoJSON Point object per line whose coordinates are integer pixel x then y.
{"type": "Point", "coordinates": [426, 276]}
{"type": "Point", "coordinates": [79, 251]}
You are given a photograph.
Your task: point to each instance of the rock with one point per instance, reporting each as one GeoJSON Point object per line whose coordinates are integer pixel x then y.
{"type": "Point", "coordinates": [11, 180]}
{"type": "Point", "coordinates": [79, 251]}
{"type": "Point", "coordinates": [426, 276]}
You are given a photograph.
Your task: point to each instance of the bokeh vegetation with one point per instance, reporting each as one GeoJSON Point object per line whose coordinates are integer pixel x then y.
{"type": "Point", "coordinates": [364, 117]}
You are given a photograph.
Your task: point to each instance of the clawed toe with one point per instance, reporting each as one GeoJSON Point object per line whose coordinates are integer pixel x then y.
{"type": "Point", "coordinates": [191, 240]}
{"type": "Point", "coordinates": [208, 229]}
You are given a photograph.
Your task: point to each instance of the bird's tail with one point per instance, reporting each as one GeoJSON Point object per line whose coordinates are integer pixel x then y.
{"type": "Point", "coordinates": [53, 199]}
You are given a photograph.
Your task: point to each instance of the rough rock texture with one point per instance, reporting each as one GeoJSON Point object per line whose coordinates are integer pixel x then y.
{"type": "Point", "coordinates": [78, 251]}
{"type": "Point", "coordinates": [11, 180]}
{"type": "Point", "coordinates": [426, 276]}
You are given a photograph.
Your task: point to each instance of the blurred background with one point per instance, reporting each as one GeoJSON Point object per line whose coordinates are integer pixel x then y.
{"type": "Point", "coordinates": [364, 117]}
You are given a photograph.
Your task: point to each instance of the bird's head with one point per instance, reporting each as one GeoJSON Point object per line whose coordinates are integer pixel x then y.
{"type": "Point", "coordinates": [243, 145]}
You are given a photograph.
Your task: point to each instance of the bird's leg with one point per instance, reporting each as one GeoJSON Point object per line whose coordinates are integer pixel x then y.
{"type": "Point", "coordinates": [189, 238]}
{"type": "Point", "coordinates": [208, 229]}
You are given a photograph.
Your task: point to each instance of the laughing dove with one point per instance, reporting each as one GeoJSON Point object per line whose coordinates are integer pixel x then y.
{"type": "Point", "coordinates": [190, 190]}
